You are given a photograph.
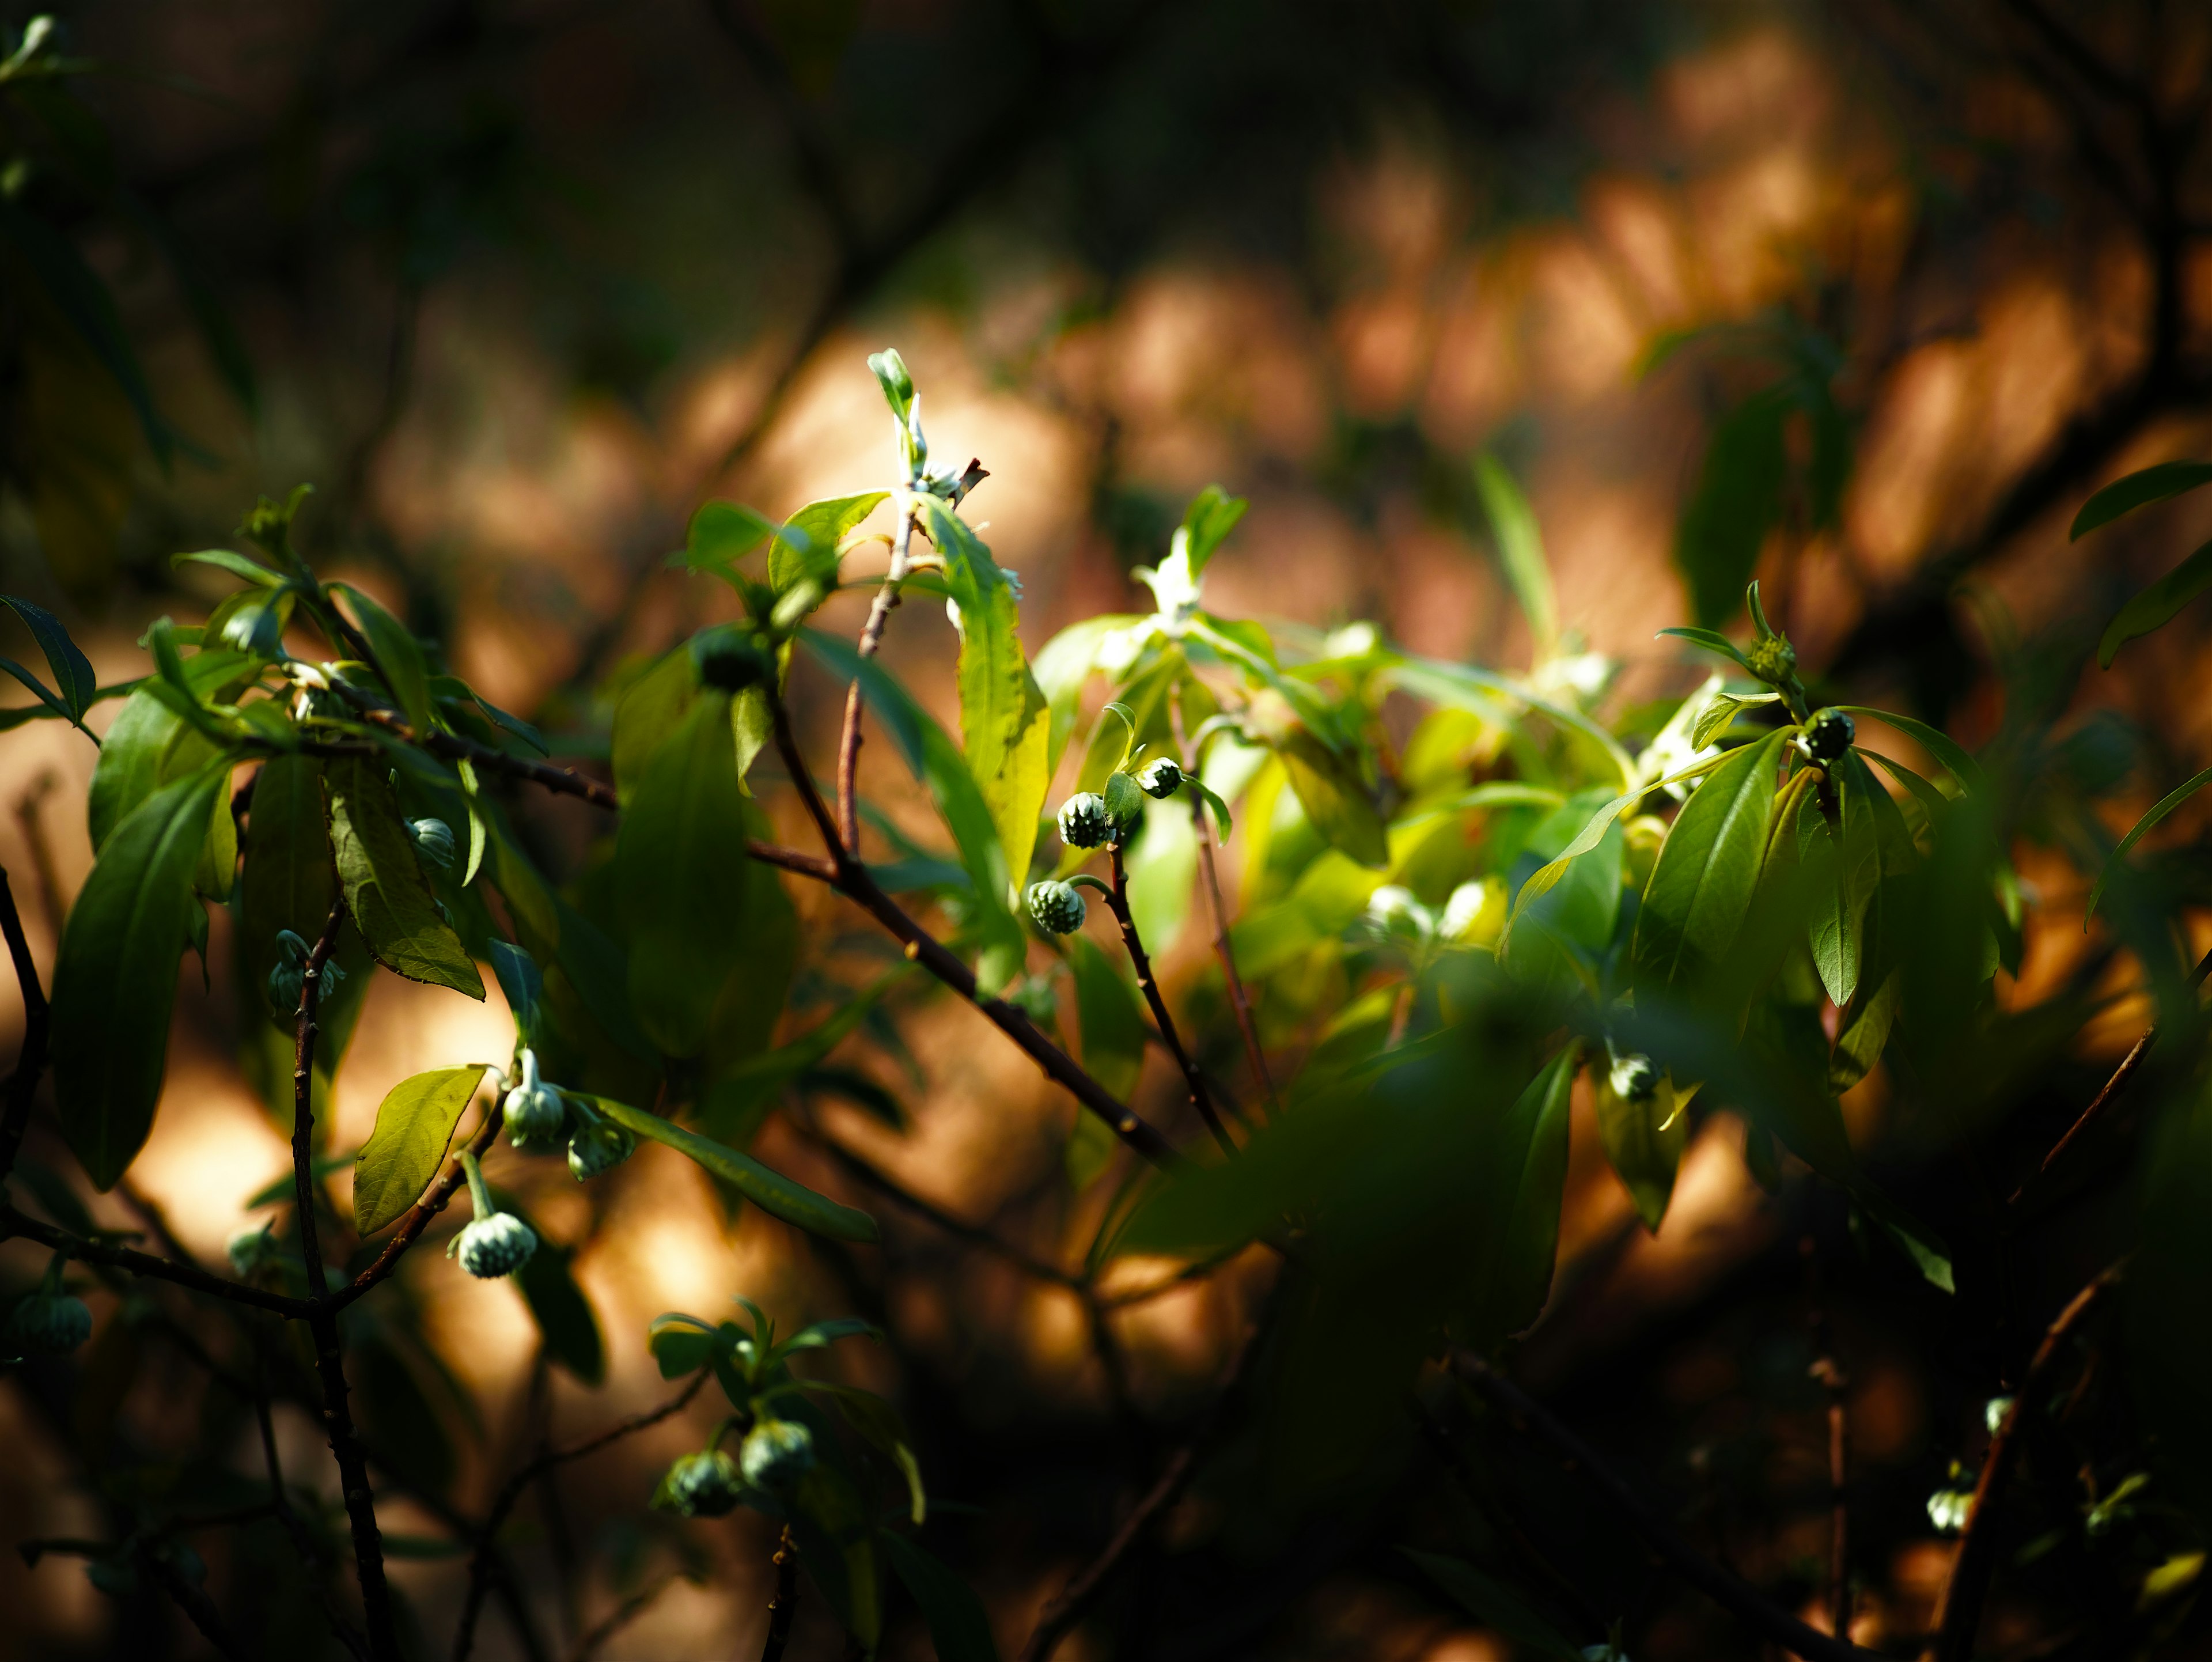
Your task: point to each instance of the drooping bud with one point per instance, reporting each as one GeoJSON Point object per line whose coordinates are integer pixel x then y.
{"type": "Point", "coordinates": [1056, 906]}
{"type": "Point", "coordinates": [495, 1243]}
{"type": "Point", "coordinates": [776, 1454]}
{"type": "Point", "coordinates": [48, 1323]}
{"type": "Point", "coordinates": [1828, 735]}
{"type": "Point", "coordinates": [535, 1114]}
{"type": "Point", "coordinates": [1159, 778]}
{"type": "Point", "coordinates": [1635, 1078]}
{"type": "Point", "coordinates": [702, 1485]}
{"type": "Point", "coordinates": [598, 1146]}
{"type": "Point", "coordinates": [1084, 822]}
{"type": "Point", "coordinates": [433, 841]}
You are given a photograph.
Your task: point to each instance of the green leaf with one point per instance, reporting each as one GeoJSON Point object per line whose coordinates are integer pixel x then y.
{"type": "Point", "coordinates": [808, 543]}
{"type": "Point", "coordinates": [868, 1414]}
{"type": "Point", "coordinates": [650, 710]}
{"type": "Point", "coordinates": [1062, 667]}
{"type": "Point", "coordinates": [774, 1193]}
{"type": "Point", "coordinates": [1546, 877]}
{"type": "Point", "coordinates": [73, 674]}
{"type": "Point", "coordinates": [739, 1096]}
{"type": "Point", "coordinates": [1644, 1141]}
{"type": "Point", "coordinates": [1492, 1604]}
{"type": "Point", "coordinates": [1846, 875]}
{"type": "Point", "coordinates": [1737, 500]}
{"type": "Point", "coordinates": [721, 534]}
{"type": "Point", "coordinates": [1207, 523]}
{"type": "Point", "coordinates": [414, 1127]}
{"type": "Point", "coordinates": [564, 1316]}
{"type": "Point", "coordinates": [385, 890]}
{"type": "Point", "coordinates": [46, 695]}
{"type": "Point", "coordinates": [1336, 799]}
{"type": "Point", "coordinates": [2164, 805]}
{"type": "Point", "coordinates": [1524, 1181]}
{"type": "Point", "coordinates": [1702, 884]}
{"type": "Point", "coordinates": [1713, 640]}
{"type": "Point", "coordinates": [891, 375]}
{"type": "Point", "coordinates": [238, 565]}
{"type": "Point", "coordinates": [2138, 489]}
{"type": "Point", "coordinates": [398, 657]}
{"type": "Point", "coordinates": [1463, 686]}
{"type": "Point", "coordinates": [1720, 712]}
{"type": "Point", "coordinates": [148, 746]}
{"type": "Point", "coordinates": [290, 878]}
{"type": "Point", "coordinates": [115, 978]}
{"type": "Point", "coordinates": [681, 878]}
{"type": "Point", "coordinates": [684, 1344]}
{"type": "Point", "coordinates": [2157, 604]}
{"type": "Point", "coordinates": [958, 1626]}
{"type": "Point", "coordinates": [1004, 718]}
{"type": "Point", "coordinates": [1945, 749]}
{"type": "Point", "coordinates": [1520, 550]}
{"type": "Point", "coordinates": [837, 1535]}
{"type": "Point", "coordinates": [932, 757]}
{"type": "Point", "coordinates": [1125, 802]}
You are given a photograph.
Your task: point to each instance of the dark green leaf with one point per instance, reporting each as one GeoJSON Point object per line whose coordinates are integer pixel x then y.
{"type": "Point", "coordinates": [391, 903]}
{"type": "Point", "coordinates": [1113, 1020]}
{"type": "Point", "coordinates": [680, 873]}
{"type": "Point", "coordinates": [1736, 502]}
{"type": "Point", "coordinates": [1945, 749]}
{"type": "Point", "coordinates": [773, 1192]}
{"type": "Point", "coordinates": [958, 1626]}
{"type": "Point", "coordinates": [1524, 1181]}
{"type": "Point", "coordinates": [45, 694]}
{"type": "Point", "coordinates": [655, 703]}
{"type": "Point", "coordinates": [722, 533]}
{"type": "Point", "coordinates": [2138, 489]}
{"type": "Point", "coordinates": [2157, 604]}
{"type": "Point", "coordinates": [837, 1537]}
{"type": "Point", "coordinates": [398, 656]}
{"type": "Point", "coordinates": [1645, 1139]}
{"type": "Point", "coordinates": [115, 978]}
{"type": "Point", "coordinates": [564, 1316]}
{"type": "Point", "coordinates": [73, 676]}
{"type": "Point", "coordinates": [684, 1344]}
{"type": "Point", "coordinates": [1336, 799]}
{"type": "Point", "coordinates": [414, 1127]}
{"type": "Point", "coordinates": [2165, 805]}
{"type": "Point", "coordinates": [1702, 884]}
{"type": "Point", "coordinates": [290, 878]}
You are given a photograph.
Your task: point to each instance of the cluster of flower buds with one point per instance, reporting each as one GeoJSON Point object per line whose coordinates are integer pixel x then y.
{"type": "Point", "coordinates": [1056, 906]}
{"type": "Point", "coordinates": [50, 1322]}
{"type": "Point", "coordinates": [1828, 735]}
{"type": "Point", "coordinates": [433, 841]}
{"type": "Point", "coordinates": [495, 1243]}
{"type": "Point", "coordinates": [705, 1484]}
{"type": "Point", "coordinates": [539, 1115]}
{"type": "Point", "coordinates": [288, 979]}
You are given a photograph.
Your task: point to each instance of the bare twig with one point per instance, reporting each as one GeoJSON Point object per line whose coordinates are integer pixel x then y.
{"type": "Point", "coordinates": [620, 1617]}
{"type": "Point", "coordinates": [1833, 1379]}
{"type": "Point", "coordinates": [31, 1061]}
{"type": "Point", "coordinates": [30, 816]}
{"type": "Point", "coordinates": [1062, 1613]}
{"type": "Point", "coordinates": [1239, 1001]}
{"type": "Point", "coordinates": [1959, 1618]}
{"type": "Point", "coordinates": [322, 1323]}
{"type": "Point", "coordinates": [872, 638]}
{"type": "Point", "coordinates": [784, 1604]}
{"type": "Point", "coordinates": [419, 1215]}
{"type": "Point", "coordinates": [1753, 1607]}
{"type": "Point", "coordinates": [487, 1533]}
{"type": "Point", "coordinates": [2113, 1086]}
{"type": "Point", "coordinates": [302, 1543]}
{"type": "Point", "coordinates": [15, 1223]}
{"type": "Point", "coordinates": [1200, 1098]}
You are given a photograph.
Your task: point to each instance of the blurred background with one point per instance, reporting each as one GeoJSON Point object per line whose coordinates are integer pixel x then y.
{"type": "Point", "coordinates": [1864, 298]}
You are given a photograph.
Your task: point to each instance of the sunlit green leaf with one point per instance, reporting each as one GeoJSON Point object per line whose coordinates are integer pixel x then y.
{"type": "Point", "coordinates": [1702, 884]}
{"type": "Point", "coordinates": [414, 1127]}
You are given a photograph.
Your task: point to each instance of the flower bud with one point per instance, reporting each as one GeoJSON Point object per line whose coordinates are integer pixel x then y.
{"type": "Point", "coordinates": [598, 1146]}
{"type": "Point", "coordinates": [1056, 906]}
{"type": "Point", "coordinates": [1772, 658]}
{"type": "Point", "coordinates": [702, 1485]}
{"type": "Point", "coordinates": [1828, 735]}
{"type": "Point", "coordinates": [535, 1115]}
{"type": "Point", "coordinates": [493, 1246]}
{"type": "Point", "coordinates": [733, 659]}
{"type": "Point", "coordinates": [433, 841]}
{"type": "Point", "coordinates": [46, 1323]}
{"type": "Point", "coordinates": [1160, 777]}
{"type": "Point", "coordinates": [1084, 821]}
{"type": "Point", "coordinates": [776, 1454]}
{"type": "Point", "coordinates": [1635, 1079]}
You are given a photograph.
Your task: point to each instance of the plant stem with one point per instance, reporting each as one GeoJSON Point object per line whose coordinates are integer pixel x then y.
{"type": "Point", "coordinates": [1754, 1609]}
{"type": "Point", "coordinates": [323, 1321]}
{"type": "Point", "coordinates": [872, 638]}
{"type": "Point", "coordinates": [785, 1603]}
{"type": "Point", "coordinates": [1200, 1099]}
{"type": "Point", "coordinates": [31, 1061]}
{"type": "Point", "coordinates": [1833, 1379]}
{"type": "Point", "coordinates": [1217, 912]}
{"type": "Point", "coordinates": [1064, 1611]}
{"type": "Point", "coordinates": [1960, 1617]}
{"type": "Point", "coordinates": [302, 1544]}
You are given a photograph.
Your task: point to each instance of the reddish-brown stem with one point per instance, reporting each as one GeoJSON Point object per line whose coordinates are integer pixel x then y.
{"type": "Point", "coordinates": [1064, 1611]}
{"type": "Point", "coordinates": [784, 1604]}
{"type": "Point", "coordinates": [1960, 1617]}
{"type": "Point", "coordinates": [480, 1567]}
{"type": "Point", "coordinates": [31, 1061]}
{"type": "Point", "coordinates": [323, 1321]}
{"type": "Point", "coordinates": [14, 1223]}
{"type": "Point", "coordinates": [457, 747]}
{"type": "Point", "coordinates": [872, 638]}
{"type": "Point", "coordinates": [419, 1215]}
{"type": "Point", "coordinates": [1200, 1099]}
{"type": "Point", "coordinates": [1239, 1001]}
{"type": "Point", "coordinates": [850, 878]}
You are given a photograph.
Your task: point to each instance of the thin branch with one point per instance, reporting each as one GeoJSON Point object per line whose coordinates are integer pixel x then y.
{"type": "Point", "coordinates": [872, 638]}
{"type": "Point", "coordinates": [322, 1323]}
{"type": "Point", "coordinates": [784, 1604]}
{"type": "Point", "coordinates": [458, 747]}
{"type": "Point", "coordinates": [1960, 1616]}
{"type": "Point", "coordinates": [1753, 1607]}
{"type": "Point", "coordinates": [1117, 900]}
{"type": "Point", "coordinates": [1065, 1612]}
{"type": "Point", "coordinates": [1837, 1384]}
{"type": "Point", "coordinates": [2113, 1086]}
{"type": "Point", "coordinates": [623, 1614]}
{"type": "Point", "coordinates": [30, 816]}
{"type": "Point", "coordinates": [487, 1533]}
{"type": "Point", "coordinates": [853, 880]}
{"type": "Point", "coordinates": [31, 1061]}
{"type": "Point", "coordinates": [1239, 1001]}
{"type": "Point", "coordinates": [14, 1223]}
{"type": "Point", "coordinates": [302, 1542]}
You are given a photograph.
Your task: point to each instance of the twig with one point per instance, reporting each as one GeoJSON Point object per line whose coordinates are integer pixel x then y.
{"type": "Point", "coordinates": [784, 1604]}
{"type": "Point", "coordinates": [1837, 1384]}
{"type": "Point", "coordinates": [192, 1598]}
{"type": "Point", "coordinates": [28, 815]}
{"type": "Point", "coordinates": [1239, 1001]}
{"type": "Point", "coordinates": [851, 880]}
{"type": "Point", "coordinates": [487, 1533]}
{"type": "Point", "coordinates": [323, 1321]}
{"type": "Point", "coordinates": [30, 1061]}
{"type": "Point", "coordinates": [419, 1215]}
{"type": "Point", "coordinates": [1117, 899]}
{"type": "Point", "coordinates": [302, 1542]}
{"type": "Point", "coordinates": [14, 1223]}
{"type": "Point", "coordinates": [458, 747]}
{"type": "Point", "coordinates": [1959, 1618]}
{"type": "Point", "coordinates": [623, 1614]}
{"type": "Point", "coordinates": [1751, 1606]}
{"type": "Point", "coordinates": [872, 638]}
{"type": "Point", "coordinates": [1063, 1613]}
{"type": "Point", "coordinates": [2113, 1086]}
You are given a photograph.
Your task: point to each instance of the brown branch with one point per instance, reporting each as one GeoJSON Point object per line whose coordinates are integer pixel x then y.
{"type": "Point", "coordinates": [1960, 1617]}
{"type": "Point", "coordinates": [1117, 899]}
{"type": "Point", "coordinates": [487, 1533]}
{"type": "Point", "coordinates": [31, 1061]}
{"type": "Point", "coordinates": [872, 638]}
{"type": "Point", "coordinates": [323, 1321]}
{"type": "Point", "coordinates": [30, 816]}
{"type": "Point", "coordinates": [1751, 1607]}
{"type": "Point", "coordinates": [1239, 1001]}
{"type": "Point", "coordinates": [623, 1614]}
{"type": "Point", "coordinates": [458, 747]}
{"type": "Point", "coordinates": [302, 1542]}
{"type": "Point", "coordinates": [1065, 1612]}
{"type": "Point", "coordinates": [14, 1223]}
{"type": "Point", "coordinates": [783, 1605]}
{"type": "Point", "coordinates": [1833, 1379]}
{"type": "Point", "coordinates": [2113, 1086]}
{"type": "Point", "coordinates": [853, 881]}
{"type": "Point", "coordinates": [419, 1215]}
